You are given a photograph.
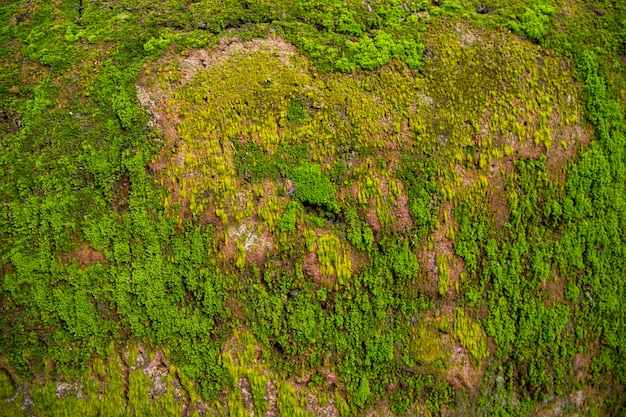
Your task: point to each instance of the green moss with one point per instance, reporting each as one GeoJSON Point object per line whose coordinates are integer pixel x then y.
{"type": "Point", "coordinates": [313, 187]}
{"type": "Point", "coordinates": [107, 226]}
{"type": "Point", "coordinates": [7, 389]}
{"type": "Point", "coordinates": [470, 335]}
{"type": "Point", "coordinates": [444, 283]}
{"type": "Point", "coordinates": [425, 344]}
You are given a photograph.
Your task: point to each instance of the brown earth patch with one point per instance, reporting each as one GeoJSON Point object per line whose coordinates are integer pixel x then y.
{"type": "Point", "coordinates": [466, 176]}
{"type": "Point", "coordinates": [380, 409]}
{"type": "Point", "coordinates": [299, 383]}
{"type": "Point", "coordinates": [466, 35]}
{"type": "Point", "coordinates": [313, 406]}
{"type": "Point", "coordinates": [491, 345]}
{"type": "Point", "coordinates": [311, 267]}
{"type": "Point", "coordinates": [582, 361]}
{"type": "Point", "coordinates": [496, 195]}
{"type": "Point", "coordinates": [401, 220]}
{"type": "Point", "coordinates": [235, 308]}
{"type": "Point", "coordinates": [255, 243]}
{"type": "Point", "coordinates": [331, 378]}
{"type": "Point", "coordinates": [312, 403]}
{"type": "Point", "coordinates": [442, 245]}
{"type": "Point", "coordinates": [6, 268]}
{"type": "Point", "coordinates": [429, 282]}
{"type": "Point", "coordinates": [554, 408]}
{"type": "Point", "coordinates": [85, 255]}
{"type": "Point", "coordinates": [352, 190]}
{"type": "Point", "coordinates": [460, 372]}
{"type": "Point", "coordinates": [156, 368]}
{"type": "Point", "coordinates": [553, 289]}
{"type": "Point", "coordinates": [393, 140]}
{"type": "Point", "coordinates": [575, 403]}
{"type": "Point", "coordinates": [371, 217]}
{"type": "Point", "coordinates": [120, 200]}
{"type": "Point", "coordinates": [400, 211]}
{"type": "Point", "coordinates": [271, 396]}
{"type": "Point", "coordinates": [9, 122]}
{"type": "Point", "coordinates": [209, 216]}
{"type": "Point", "coordinates": [567, 139]}
{"type": "Point", "coordinates": [246, 394]}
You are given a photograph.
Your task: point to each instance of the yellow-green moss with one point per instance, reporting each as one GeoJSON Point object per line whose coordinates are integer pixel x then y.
{"type": "Point", "coordinates": [486, 95]}
{"type": "Point", "coordinates": [425, 345]}
{"type": "Point", "coordinates": [470, 335]}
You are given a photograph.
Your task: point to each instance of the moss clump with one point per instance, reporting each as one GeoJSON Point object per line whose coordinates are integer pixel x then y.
{"type": "Point", "coordinates": [470, 335]}
{"type": "Point", "coordinates": [425, 344]}
{"type": "Point", "coordinates": [313, 187]}
{"type": "Point", "coordinates": [7, 389]}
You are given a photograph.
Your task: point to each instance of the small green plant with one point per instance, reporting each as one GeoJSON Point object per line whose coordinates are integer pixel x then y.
{"type": "Point", "coordinates": [534, 22]}
{"type": "Point", "coordinates": [313, 187]}
{"type": "Point", "coordinates": [240, 256]}
{"type": "Point", "coordinates": [296, 110]}
{"type": "Point", "coordinates": [403, 261]}
{"type": "Point", "coordinates": [287, 223]}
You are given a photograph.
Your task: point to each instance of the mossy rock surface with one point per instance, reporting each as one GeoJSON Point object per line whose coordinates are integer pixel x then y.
{"type": "Point", "coordinates": [312, 208]}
